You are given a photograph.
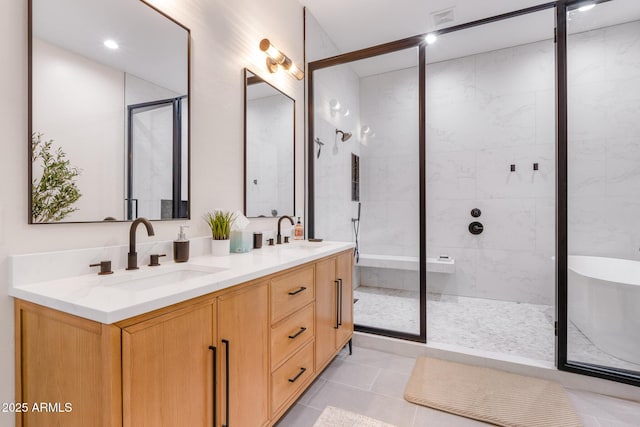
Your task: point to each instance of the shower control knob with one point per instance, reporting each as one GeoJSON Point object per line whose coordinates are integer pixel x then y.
{"type": "Point", "coordinates": [476, 227]}
{"type": "Point", "coordinates": [475, 212]}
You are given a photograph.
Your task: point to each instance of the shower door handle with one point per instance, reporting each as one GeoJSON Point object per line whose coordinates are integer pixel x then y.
{"type": "Point", "coordinates": [337, 303]}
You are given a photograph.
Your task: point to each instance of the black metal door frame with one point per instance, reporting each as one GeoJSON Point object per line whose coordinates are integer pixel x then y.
{"type": "Point", "coordinates": [561, 9]}
{"type": "Point", "coordinates": [176, 167]}
{"type": "Point", "coordinates": [562, 249]}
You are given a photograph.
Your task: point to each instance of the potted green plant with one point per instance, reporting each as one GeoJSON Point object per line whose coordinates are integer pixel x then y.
{"type": "Point", "coordinates": [220, 224]}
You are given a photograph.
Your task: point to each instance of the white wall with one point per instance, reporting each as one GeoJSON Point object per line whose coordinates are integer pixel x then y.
{"type": "Point", "coordinates": [389, 165]}
{"type": "Point", "coordinates": [484, 113]}
{"type": "Point", "coordinates": [92, 142]}
{"type": "Point", "coordinates": [225, 38]}
{"type": "Point", "coordinates": [604, 142]}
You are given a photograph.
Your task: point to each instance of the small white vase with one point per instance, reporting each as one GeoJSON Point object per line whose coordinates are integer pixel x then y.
{"type": "Point", "coordinates": [220, 247]}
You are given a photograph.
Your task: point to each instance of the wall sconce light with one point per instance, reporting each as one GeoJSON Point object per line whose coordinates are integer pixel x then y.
{"type": "Point", "coordinates": [277, 59]}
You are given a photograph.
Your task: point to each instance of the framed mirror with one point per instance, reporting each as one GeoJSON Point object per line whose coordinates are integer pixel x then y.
{"type": "Point", "coordinates": [108, 112]}
{"type": "Point", "coordinates": [269, 146]}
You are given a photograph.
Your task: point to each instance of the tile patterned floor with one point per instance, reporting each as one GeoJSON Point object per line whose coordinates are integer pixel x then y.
{"type": "Point", "coordinates": [372, 383]}
{"type": "Point", "coordinates": [505, 327]}
{"type": "Point", "coordinates": [509, 328]}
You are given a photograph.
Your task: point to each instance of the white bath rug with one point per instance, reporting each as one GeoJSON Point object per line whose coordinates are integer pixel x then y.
{"type": "Point", "coordinates": [336, 417]}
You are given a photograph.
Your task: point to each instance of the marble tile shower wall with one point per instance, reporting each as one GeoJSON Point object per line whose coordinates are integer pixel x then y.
{"type": "Point", "coordinates": [604, 142]}
{"type": "Point", "coordinates": [484, 113]}
{"type": "Point", "coordinates": [389, 167]}
{"type": "Point", "coordinates": [333, 206]}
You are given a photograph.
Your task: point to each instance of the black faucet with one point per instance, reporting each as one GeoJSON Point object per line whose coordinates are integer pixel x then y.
{"type": "Point", "coordinates": [132, 256]}
{"type": "Point", "coordinates": [279, 237]}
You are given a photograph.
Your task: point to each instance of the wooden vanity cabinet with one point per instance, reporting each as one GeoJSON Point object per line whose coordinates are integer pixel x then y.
{"type": "Point", "coordinates": [334, 306]}
{"type": "Point", "coordinates": [67, 369]}
{"type": "Point", "coordinates": [243, 343]}
{"type": "Point", "coordinates": [167, 369]}
{"type": "Point", "coordinates": [238, 357]}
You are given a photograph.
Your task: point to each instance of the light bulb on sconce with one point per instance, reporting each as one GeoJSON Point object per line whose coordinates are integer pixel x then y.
{"type": "Point", "coordinates": [276, 60]}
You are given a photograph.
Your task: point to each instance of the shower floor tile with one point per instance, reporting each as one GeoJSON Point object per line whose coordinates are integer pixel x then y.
{"type": "Point", "coordinates": [517, 329]}
{"type": "Point", "coordinates": [504, 327]}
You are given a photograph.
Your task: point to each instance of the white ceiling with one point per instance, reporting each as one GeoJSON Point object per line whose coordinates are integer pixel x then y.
{"type": "Point", "coordinates": [356, 24]}
{"type": "Point", "coordinates": [152, 47]}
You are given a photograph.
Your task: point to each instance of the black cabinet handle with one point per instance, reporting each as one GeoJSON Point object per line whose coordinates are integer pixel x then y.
{"type": "Point", "coordinates": [302, 288]}
{"type": "Point", "coordinates": [337, 303]}
{"type": "Point", "coordinates": [226, 367]}
{"type": "Point", "coordinates": [294, 336]}
{"type": "Point", "coordinates": [294, 379]}
{"type": "Point", "coordinates": [215, 380]}
{"type": "Point", "coordinates": [340, 303]}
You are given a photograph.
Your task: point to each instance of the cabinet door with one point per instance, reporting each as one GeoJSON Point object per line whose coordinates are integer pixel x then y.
{"type": "Point", "coordinates": [344, 275]}
{"type": "Point", "coordinates": [243, 331]}
{"type": "Point", "coordinates": [326, 311]}
{"type": "Point", "coordinates": [167, 369]}
{"type": "Point", "coordinates": [61, 365]}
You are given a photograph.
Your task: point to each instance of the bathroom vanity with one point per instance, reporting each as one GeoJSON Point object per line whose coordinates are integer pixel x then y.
{"type": "Point", "coordinates": [234, 344]}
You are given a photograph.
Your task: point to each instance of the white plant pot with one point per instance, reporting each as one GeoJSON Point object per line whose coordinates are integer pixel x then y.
{"type": "Point", "coordinates": [220, 247]}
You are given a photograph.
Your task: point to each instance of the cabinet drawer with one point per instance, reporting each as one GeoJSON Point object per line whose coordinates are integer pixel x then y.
{"type": "Point", "coordinates": [291, 376]}
{"type": "Point", "coordinates": [291, 292]}
{"type": "Point", "coordinates": [291, 334]}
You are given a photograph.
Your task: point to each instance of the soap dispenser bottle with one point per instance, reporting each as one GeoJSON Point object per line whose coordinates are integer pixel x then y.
{"type": "Point", "coordinates": [181, 246]}
{"type": "Point", "coordinates": [298, 231]}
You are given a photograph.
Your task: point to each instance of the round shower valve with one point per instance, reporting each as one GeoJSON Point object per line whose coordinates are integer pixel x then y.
{"type": "Point", "coordinates": [476, 227]}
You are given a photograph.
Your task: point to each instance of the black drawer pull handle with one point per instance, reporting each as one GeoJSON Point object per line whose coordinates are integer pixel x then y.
{"type": "Point", "coordinates": [294, 336]}
{"type": "Point", "coordinates": [226, 372]}
{"type": "Point", "coordinates": [302, 288]}
{"type": "Point", "coordinates": [294, 379]}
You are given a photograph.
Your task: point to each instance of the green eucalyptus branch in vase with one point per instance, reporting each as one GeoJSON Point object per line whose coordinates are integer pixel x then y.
{"type": "Point", "coordinates": [54, 192]}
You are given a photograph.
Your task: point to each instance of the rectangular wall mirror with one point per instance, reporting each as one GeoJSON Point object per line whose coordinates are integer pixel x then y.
{"type": "Point", "coordinates": [269, 141]}
{"type": "Point", "coordinates": [108, 112]}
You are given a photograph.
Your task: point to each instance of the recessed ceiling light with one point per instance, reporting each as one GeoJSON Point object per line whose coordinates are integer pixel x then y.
{"type": "Point", "coordinates": [111, 44]}
{"type": "Point", "coordinates": [430, 38]}
{"type": "Point", "coordinates": [587, 7]}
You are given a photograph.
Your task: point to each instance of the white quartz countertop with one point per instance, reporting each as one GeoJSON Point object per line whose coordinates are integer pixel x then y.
{"type": "Point", "coordinates": [124, 294]}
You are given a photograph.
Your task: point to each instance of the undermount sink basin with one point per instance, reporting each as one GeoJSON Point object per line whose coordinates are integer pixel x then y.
{"type": "Point", "coordinates": [303, 245]}
{"type": "Point", "coordinates": [139, 280]}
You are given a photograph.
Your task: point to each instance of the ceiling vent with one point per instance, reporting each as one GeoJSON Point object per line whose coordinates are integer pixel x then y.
{"type": "Point", "coordinates": [443, 17]}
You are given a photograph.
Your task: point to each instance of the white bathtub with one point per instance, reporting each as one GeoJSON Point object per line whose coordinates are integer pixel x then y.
{"type": "Point", "coordinates": [604, 299]}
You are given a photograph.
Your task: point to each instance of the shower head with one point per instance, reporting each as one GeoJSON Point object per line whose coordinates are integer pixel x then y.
{"type": "Point", "coordinates": [345, 135]}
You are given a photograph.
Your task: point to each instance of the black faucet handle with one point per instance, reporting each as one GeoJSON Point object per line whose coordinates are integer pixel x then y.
{"type": "Point", "coordinates": [155, 260]}
{"type": "Point", "coordinates": [286, 239]}
{"type": "Point", "coordinates": [105, 267]}
{"type": "Point", "coordinates": [270, 241]}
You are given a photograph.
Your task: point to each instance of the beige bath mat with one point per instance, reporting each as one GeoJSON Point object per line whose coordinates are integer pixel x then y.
{"type": "Point", "coordinates": [490, 395]}
{"type": "Point", "coordinates": [336, 417]}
